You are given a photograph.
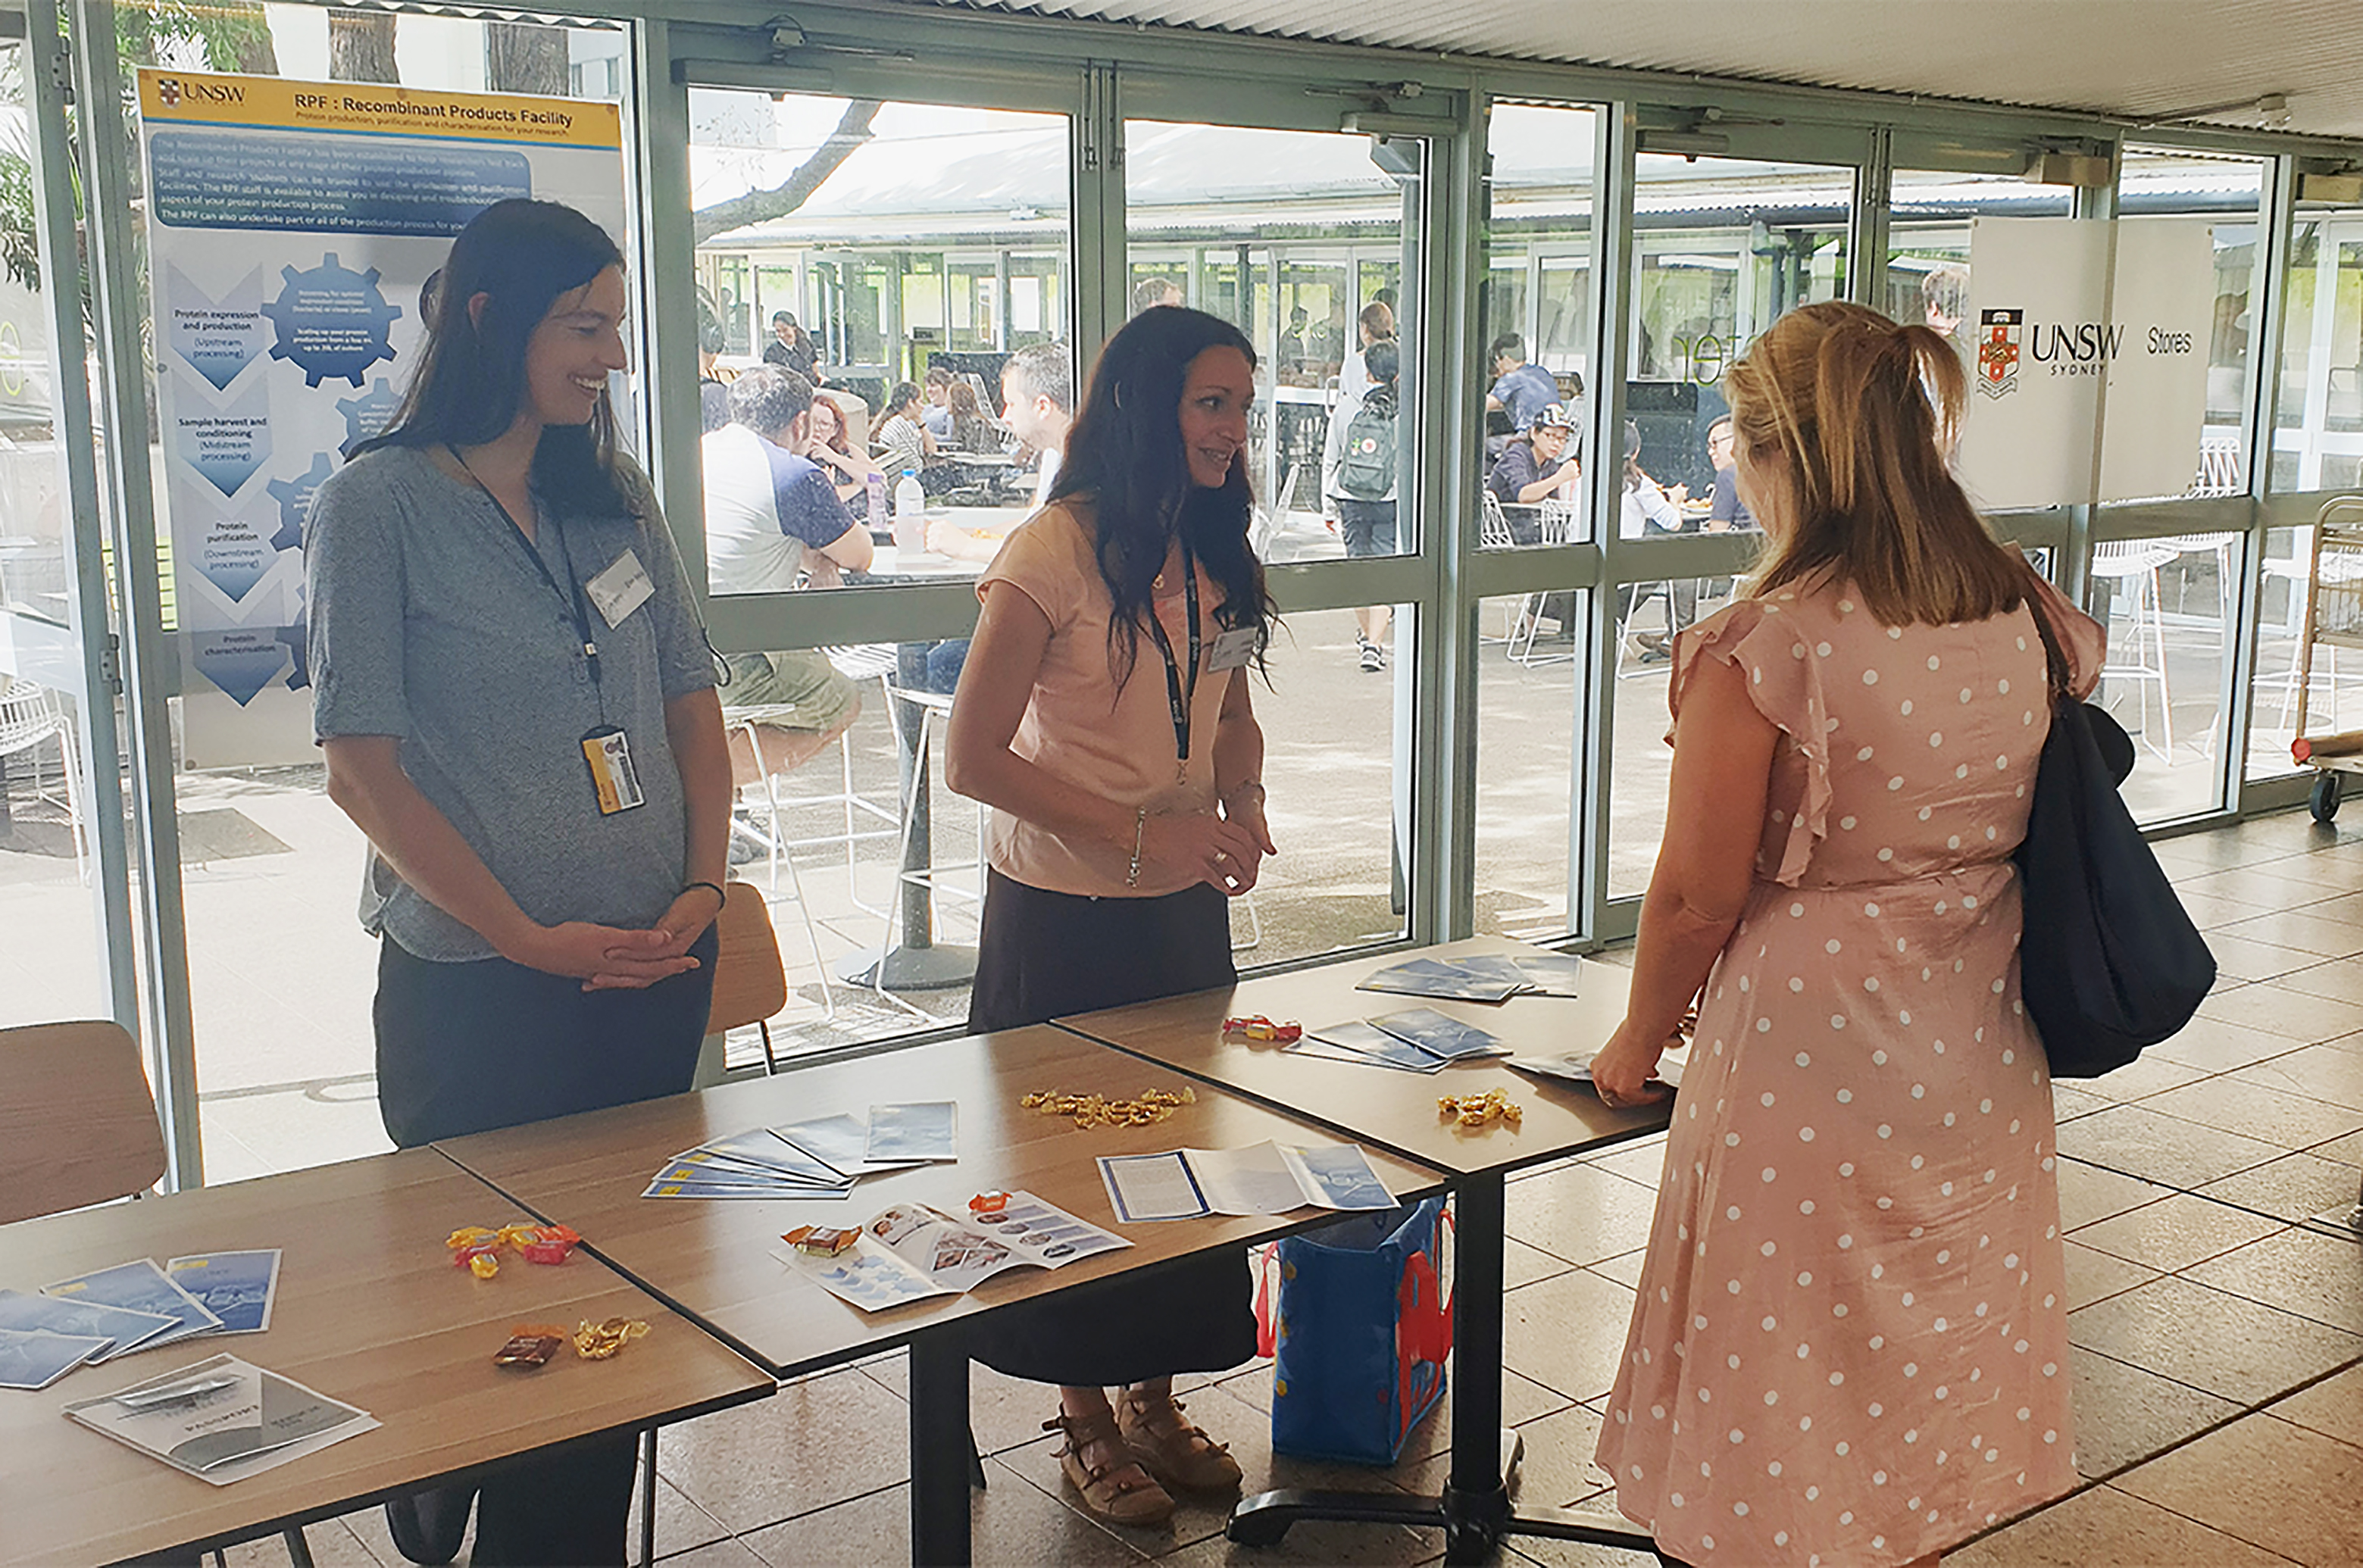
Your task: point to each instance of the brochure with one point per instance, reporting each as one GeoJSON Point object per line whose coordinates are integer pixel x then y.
{"type": "Point", "coordinates": [38, 1359]}
{"type": "Point", "coordinates": [842, 1143]}
{"type": "Point", "coordinates": [925, 1131]}
{"type": "Point", "coordinates": [1454, 980]}
{"type": "Point", "coordinates": [1360, 1042]}
{"type": "Point", "coordinates": [124, 1330]}
{"type": "Point", "coordinates": [221, 1419]}
{"type": "Point", "coordinates": [1437, 1035]}
{"type": "Point", "coordinates": [236, 1287]}
{"type": "Point", "coordinates": [1549, 973]}
{"type": "Point", "coordinates": [140, 1286]}
{"type": "Point", "coordinates": [911, 1252]}
{"type": "Point", "coordinates": [1263, 1178]}
{"type": "Point", "coordinates": [1575, 1070]}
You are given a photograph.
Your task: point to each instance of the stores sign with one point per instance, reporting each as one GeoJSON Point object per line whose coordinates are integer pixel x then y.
{"type": "Point", "coordinates": [2089, 357]}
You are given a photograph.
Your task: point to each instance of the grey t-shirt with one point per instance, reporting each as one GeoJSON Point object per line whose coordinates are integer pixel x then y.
{"type": "Point", "coordinates": [430, 622]}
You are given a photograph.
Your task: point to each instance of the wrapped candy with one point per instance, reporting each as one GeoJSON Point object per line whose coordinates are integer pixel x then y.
{"type": "Point", "coordinates": [598, 1341]}
{"type": "Point", "coordinates": [1146, 1108]}
{"type": "Point", "coordinates": [1256, 1026]}
{"type": "Point", "coordinates": [1478, 1110]}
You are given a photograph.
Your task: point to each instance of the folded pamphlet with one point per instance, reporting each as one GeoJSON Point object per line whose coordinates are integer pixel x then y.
{"type": "Point", "coordinates": [221, 1420]}
{"type": "Point", "coordinates": [911, 1252]}
{"type": "Point", "coordinates": [1263, 1178]}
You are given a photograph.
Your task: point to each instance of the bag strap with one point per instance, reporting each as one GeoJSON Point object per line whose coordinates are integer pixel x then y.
{"type": "Point", "coordinates": [2056, 666]}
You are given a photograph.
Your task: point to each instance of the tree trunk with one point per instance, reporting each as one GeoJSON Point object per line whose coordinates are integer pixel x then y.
{"type": "Point", "coordinates": [360, 45]}
{"type": "Point", "coordinates": [756, 206]}
{"type": "Point", "coordinates": [523, 57]}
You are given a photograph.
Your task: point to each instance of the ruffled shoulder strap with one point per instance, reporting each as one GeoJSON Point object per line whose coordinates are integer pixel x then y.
{"type": "Point", "coordinates": [1774, 642]}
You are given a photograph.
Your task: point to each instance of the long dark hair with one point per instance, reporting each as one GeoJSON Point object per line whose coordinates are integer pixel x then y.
{"type": "Point", "coordinates": [1124, 457]}
{"type": "Point", "coordinates": [521, 255]}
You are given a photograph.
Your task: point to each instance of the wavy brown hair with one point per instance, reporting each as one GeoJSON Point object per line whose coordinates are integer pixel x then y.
{"type": "Point", "coordinates": [1858, 415]}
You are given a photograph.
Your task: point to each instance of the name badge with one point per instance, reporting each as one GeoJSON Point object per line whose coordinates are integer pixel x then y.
{"type": "Point", "coordinates": [1231, 650]}
{"type": "Point", "coordinates": [613, 778]}
{"type": "Point", "coordinates": [623, 588]}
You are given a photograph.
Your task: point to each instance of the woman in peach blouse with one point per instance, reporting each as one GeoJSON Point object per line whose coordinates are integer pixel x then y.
{"type": "Point", "coordinates": [1104, 714]}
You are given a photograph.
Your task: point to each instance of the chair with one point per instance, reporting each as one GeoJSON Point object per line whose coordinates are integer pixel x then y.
{"type": "Point", "coordinates": [751, 983]}
{"type": "Point", "coordinates": [30, 718]}
{"type": "Point", "coordinates": [2131, 564]}
{"type": "Point", "coordinates": [1493, 533]}
{"type": "Point", "coordinates": [931, 706]}
{"type": "Point", "coordinates": [78, 1127]}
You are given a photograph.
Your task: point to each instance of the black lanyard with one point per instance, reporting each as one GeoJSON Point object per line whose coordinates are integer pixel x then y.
{"type": "Point", "coordinates": [1176, 693]}
{"type": "Point", "coordinates": [573, 602]}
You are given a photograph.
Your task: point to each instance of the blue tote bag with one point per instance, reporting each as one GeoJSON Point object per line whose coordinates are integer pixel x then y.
{"type": "Point", "coordinates": [1358, 1332]}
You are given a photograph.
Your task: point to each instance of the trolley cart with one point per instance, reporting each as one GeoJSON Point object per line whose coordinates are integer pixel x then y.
{"type": "Point", "coordinates": [2333, 618]}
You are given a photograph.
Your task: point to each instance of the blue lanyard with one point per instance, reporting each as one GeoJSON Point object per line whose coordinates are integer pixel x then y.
{"type": "Point", "coordinates": [1178, 696]}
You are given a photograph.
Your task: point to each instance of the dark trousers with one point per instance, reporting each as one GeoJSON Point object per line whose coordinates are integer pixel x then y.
{"type": "Point", "coordinates": [467, 1048]}
{"type": "Point", "coordinates": [1041, 955]}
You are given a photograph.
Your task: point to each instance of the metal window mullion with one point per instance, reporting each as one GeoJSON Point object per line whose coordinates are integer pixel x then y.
{"type": "Point", "coordinates": [2074, 567]}
{"type": "Point", "coordinates": [148, 652]}
{"type": "Point", "coordinates": [668, 294]}
{"type": "Point", "coordinates": [1443, 753]}
{"type": "Point", "coordinates": [1095, 164]}
{"type": "Point", "coordinates": [47, 70]}
{"type": "Point", "coordinates": [2276, 239]}
{"type": "Point", "coordinates": [1874, 185]}
{"type": "Point", "coordinates": [1615, 138]}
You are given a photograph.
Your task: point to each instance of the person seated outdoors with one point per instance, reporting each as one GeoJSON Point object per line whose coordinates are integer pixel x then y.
{"type": "Point", "coordinates": [937, 386]}
{"type": "Point", "coordinates": [1520, 389]}
{"type": "Point", "coordinates": [1725, 513]}
{"type": "Point", "coordinates": [1152, 292]}
{"type": "Point", "coordinates": [792, 348]}
{"type": "Point", "coordinates": [904, 442]}
{"type": "Point", "coordinates": [971, 429]}
{"type": "Point", "coordinates": [832, 448]}
{"type": "Point", "coordinates": [774, 525]}
{"type": "Point", "coordinates": [1649, 509]}
{"type": "Point", "coordinates": [1037, 399]}
{"type": "Point", "coordinates": [1543, 464]}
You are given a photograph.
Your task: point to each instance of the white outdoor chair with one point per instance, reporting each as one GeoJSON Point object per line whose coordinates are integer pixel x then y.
{"type": "Point", "coordinates": [30, 718]}
{"type": "Point", "coordinates": [2132, 565]}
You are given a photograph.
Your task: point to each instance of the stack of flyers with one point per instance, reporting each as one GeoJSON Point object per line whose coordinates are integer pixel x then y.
{"type": "Point", "coordinates": [1264, 1179]}
{"type": "Point", "coordinates": [925, 1132]}
{"type": "Point", "coordinates": [1417, 1040]}
{"type": "Point", "coordinates": [1480, 977]}
{"type": "Point", "coordinates": [910, 1252]}
{"type": "Point", "coordinates": [133, 1306]}
{"type": "Point", "coordinates": [221, 1419]}
{"type": "Point", "coordinates": [820, 1159]}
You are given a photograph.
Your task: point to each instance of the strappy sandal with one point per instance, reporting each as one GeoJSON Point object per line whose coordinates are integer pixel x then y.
{"type": "Point", "coordinates": [1173, 1449]}
{"type": "Point", "coordinates": [1119, 1493]}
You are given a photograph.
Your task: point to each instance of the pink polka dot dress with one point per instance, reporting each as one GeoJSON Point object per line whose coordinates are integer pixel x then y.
{"type": "Point", "coordinates": [1850, 1341]}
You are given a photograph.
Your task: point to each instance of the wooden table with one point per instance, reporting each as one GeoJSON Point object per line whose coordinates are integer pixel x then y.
{"type": "Point", "coordinates": [713, 1260]}
{"type": "Point", "coordinates": [369, 1311]}
{"type": "Point", "coordinates": [1396, 1110]}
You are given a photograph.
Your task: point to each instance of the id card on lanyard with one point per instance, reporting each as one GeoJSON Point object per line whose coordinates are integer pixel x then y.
{"type": "Point", "coordinates": [607, 749]}
{"type": "Point", "coordinates": [1178, 694]}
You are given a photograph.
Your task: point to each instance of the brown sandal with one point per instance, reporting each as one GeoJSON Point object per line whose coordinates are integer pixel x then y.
{"type": "Point", "coordinates": [1120, 1493]}
{"type": "Point", "coordinates": [1173, 1449]}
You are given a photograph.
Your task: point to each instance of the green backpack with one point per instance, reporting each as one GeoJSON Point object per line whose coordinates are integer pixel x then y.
{"type": "Point", "coordinates": [1366, 470]}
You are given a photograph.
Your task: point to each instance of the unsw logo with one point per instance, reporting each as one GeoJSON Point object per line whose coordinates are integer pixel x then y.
{"type": "Point", "coordinates": [173, 90]}
{"type": "Point", "coordinates": [1999, 332]}
{"type": "Point", "coordinates": [170, 90]}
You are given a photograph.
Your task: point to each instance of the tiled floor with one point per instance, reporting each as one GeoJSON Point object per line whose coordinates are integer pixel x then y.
{"type": "Point", "coordinates": [2219, 1341]}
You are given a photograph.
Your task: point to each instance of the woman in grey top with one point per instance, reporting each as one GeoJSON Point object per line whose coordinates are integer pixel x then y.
{"type": "Point", "coordinates": [517, 705]}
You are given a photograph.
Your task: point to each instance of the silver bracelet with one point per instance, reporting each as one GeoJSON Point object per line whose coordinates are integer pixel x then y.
{"type": "Point", "coordinates": [1139, 826]}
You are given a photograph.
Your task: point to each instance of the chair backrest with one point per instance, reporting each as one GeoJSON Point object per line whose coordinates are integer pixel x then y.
{"type": "Point", "coordinates": [1494, 523]}
{"type": "Point", "coordinates": [1556, 525]}
{"type": "Point", "coordinates": [29, 715]}
{"type": "Point", "coordinates": [77, 1122]}
{"type": "Point", "coordinates": [750, 982]}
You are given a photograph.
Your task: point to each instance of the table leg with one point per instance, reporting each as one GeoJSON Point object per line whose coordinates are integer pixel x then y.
{"type": "Point", "coordinates": [1474, 1512]}
{"type": "Point", "coordinates": [941, 1451]}
{"type": "Point", "coordinates": [913, 962]}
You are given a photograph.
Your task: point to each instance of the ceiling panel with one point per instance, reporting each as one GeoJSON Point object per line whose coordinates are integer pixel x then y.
{"type": "Point", "coordinates": [2144, 59]}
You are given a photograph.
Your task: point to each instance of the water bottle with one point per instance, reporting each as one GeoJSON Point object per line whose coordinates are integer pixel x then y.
{"type": "Point", "coordinates": [910, 514]}
{"type": "Point", "coordinates": [876, 485]}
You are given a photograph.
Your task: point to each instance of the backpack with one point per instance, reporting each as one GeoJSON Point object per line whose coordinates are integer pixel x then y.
{"type": "Point", "coordinates": [1366, 470]}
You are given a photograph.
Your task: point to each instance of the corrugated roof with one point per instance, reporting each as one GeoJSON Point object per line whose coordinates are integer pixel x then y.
{"type": "Point", "coordinates": [2137, 58]}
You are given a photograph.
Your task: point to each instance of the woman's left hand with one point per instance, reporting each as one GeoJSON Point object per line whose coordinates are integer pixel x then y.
{"type": "Point", "coordinates": [1244, 872]}
{"type": "Point", "coordinates": [693, 910]}
{"type": "Point", "coordinates": [1624, 1070]}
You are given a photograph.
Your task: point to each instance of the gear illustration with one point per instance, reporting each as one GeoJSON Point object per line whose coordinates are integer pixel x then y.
{"type": "Point", "coordinates": [331, 321]}
{"type": "Point", "coordinates": [295, 499]}
{"type": "Point", "coordinates": [369, 414]}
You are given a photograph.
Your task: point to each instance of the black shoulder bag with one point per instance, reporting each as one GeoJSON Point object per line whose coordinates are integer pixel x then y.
{"type": "Point", "coordinates": [2109, 962]}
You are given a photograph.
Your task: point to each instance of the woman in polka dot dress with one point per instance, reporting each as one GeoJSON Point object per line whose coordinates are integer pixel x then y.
{"type": "Point", "coordinates": [1850, 1344]}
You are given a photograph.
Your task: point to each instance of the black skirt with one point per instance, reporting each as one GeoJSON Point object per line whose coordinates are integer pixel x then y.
{"type": "Point", "coordinates": [1042, 956]}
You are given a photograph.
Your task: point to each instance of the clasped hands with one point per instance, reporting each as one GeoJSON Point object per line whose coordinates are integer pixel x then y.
{"type": "Point", "coordinates": [621, 959]}
{"type": "Point", "coordinates": [1225, 852]}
